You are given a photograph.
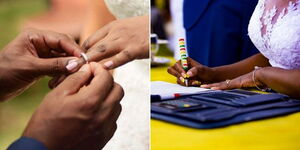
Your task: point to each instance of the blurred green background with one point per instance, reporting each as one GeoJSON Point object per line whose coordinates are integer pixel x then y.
{"type": "Point", "coordinates": [15, 113]}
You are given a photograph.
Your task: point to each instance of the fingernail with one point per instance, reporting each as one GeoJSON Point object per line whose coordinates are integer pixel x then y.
{"type": "Point", "coordinates": [214, 88]}
{"type": "Point", "coordinates": [196, 83]}
{"type": "Point", "coordinates": [72, 65]}
{"type": "Point", "coordinates": [181, 79]}
{"type": "Point", "coordinates": [84, 68]}
{"type": "Point", "coordinates": [108, 64]}
{"type": "Point", "coordinates": [189, 73]}
{"type": "Point", "coordinates": [183, 75]}
{"type": "Point", "coordinates": [204, 86]}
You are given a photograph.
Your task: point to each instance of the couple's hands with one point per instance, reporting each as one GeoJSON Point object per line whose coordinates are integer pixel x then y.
{"type": "Point", "coordinates": [200, 75]}
{"type": "Point", "coordinates": [80, 113]}
{"type": "Point", "coordinates": [115, 44]}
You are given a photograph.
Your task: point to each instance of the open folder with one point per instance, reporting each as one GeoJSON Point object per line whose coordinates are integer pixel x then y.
{"type": "Point", "coordinates": [203, 108]}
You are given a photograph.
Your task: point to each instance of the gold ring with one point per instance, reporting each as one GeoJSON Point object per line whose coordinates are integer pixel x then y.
{"type": "Point", "coordinates": [228, 82]}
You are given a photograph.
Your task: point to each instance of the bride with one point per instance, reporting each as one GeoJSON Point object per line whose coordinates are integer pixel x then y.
{"type": "Point", "coordinates": [274, 29]}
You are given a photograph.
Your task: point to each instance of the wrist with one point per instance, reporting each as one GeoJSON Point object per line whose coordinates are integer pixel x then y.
{"type": "Point", "coordinates": [260, 77]}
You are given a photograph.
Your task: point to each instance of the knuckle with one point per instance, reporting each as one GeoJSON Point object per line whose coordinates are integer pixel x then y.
{"type": "Point", "coordinates": [86, 44]}
{"type": "Point", "coordinates": [101, 48]}
{"type": "Point", "coordinates": [128, 56]}
{"type": "Point", "coordinates": [121, 92]}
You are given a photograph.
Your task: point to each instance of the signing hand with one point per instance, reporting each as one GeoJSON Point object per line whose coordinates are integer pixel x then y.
{"type": "Point", "coordinates": [33, 54]}
{"type": "Point", "coordinates": [80, 113]}
{"type": "Point", "coordinates": [197, 74]}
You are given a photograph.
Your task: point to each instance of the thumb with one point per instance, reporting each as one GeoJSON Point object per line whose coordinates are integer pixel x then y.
{"type": "Point", "coordinates": [54, 66]}
{"type": "Point", "coordinates": [75, 81]}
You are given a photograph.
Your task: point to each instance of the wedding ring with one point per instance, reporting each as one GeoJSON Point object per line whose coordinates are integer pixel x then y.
{"type": "Point", "coordinates": [228, 82]}
{"type": "Point", "coordinates": [85, 57]}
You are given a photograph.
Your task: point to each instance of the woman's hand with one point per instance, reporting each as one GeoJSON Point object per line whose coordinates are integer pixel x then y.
{"type": "Point", "coordinates": [244, 81]}
{"type": "Point", "coordinates": [80, 113]}
{"type": "Point", "coordinates": [33, 54]}
{"type": "Point", "coordinates": [119, 42]}
{"type": "Point", "coordinates": [115, 44]}
{"type": "Point", "coordinates": [197, 74]}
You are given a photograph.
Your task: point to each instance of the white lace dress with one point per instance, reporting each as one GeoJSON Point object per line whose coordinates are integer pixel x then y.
{"type": "Point", "coordinates": [133, 123]}
{"type": "Point", "coordinates": [276, 33]}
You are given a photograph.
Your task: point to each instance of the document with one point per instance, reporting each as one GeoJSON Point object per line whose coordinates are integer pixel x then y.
{"type": "Point", "coordinates": [169, 90]}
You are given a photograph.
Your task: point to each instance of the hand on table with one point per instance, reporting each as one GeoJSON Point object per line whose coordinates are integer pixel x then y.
{"type": "Point", "coordinates": [197, 73]}
{"type": "Point", "coordinates": [80, 113]}
{"type": "Point", "coordinates": [244, 81]}
{"type": "Point", "coordinates": [31, 55]}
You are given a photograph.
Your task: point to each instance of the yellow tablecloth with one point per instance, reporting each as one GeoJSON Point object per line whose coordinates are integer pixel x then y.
{"type": "Point", "coordinates": [281, 133]}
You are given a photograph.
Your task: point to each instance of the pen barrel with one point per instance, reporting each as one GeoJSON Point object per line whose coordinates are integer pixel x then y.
{"type": "Point", "coordinates": [183, 54]}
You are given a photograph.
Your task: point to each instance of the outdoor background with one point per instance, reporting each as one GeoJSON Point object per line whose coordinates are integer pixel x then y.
{"type": "Point", "coordinates": [15, 113]}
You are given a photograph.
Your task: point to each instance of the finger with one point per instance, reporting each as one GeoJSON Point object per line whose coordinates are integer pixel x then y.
{"type": "Point", "coordinates": [115, 96]}
{"type": "Point", "coordinates": [192, 72]}
{"type": "Point", "coordinates": [53, 66]}
{"type": "Point", "coordinates": [56, 81]}
{"type": "Point", "coordinates": [102, 50]}
{"type": "Point", "coordinates": [178, 67]}
{"type": "Point", "coordinates": [195, 83]}
{"type": "Point", "coordinates": [58, 42]}
{"type": "Point", "coordinates": [51, 83]}
{"type": "Point", "coordinates": [97, 36]}
{"type": "Point", "coordinates": [98, 89]}
{"type": "Point", "coordinates": [118, 60]}
{"type": "Point", "coordinates": [225, 85]}
{"type": "Point", "coordinates": [73, 83]}
{"type": "Point", "coordinates": [180, 81]}
{"type": "Point", "coordinates": [174, 72]}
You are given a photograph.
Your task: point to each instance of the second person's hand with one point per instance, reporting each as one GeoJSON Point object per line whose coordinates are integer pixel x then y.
{"type": "Point", "coordinates": [80, 113]}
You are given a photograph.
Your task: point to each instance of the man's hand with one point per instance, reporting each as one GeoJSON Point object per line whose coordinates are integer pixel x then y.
{"type": "Point", "coordinates": [80, 113]}
{"type": "Point", "coordinates": [33, 54]}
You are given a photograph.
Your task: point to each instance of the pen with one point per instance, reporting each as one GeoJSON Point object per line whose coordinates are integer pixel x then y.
{"type": "Point", "coordinates": [183, 58]}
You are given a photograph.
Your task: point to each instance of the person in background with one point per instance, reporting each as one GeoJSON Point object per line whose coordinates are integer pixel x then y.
{"type": "Point", "coordinates": [274, 29]}
{"type": "Point", "coordinates": [216, 30]}
{"type": "Point", "coordinates": [80, 113]}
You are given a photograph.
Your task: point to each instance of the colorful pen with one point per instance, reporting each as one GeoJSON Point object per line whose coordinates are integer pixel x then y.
{"type": "Point", "coordinates": [183, 58]}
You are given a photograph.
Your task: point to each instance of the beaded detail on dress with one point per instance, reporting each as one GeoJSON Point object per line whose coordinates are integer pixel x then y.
{"type": "Point", "coordinates": [280, 39]}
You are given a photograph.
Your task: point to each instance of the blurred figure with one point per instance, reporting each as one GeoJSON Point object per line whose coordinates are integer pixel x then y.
{"type": "Point", "coordinates": [157, 21]}
{"type": "Point", "coordinates": [216, 30]}
{"type": "Point", "coordinates": [63, 16]}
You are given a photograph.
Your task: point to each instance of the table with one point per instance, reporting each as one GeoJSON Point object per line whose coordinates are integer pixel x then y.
{"type": "Point", "coordinates": [280, 133]}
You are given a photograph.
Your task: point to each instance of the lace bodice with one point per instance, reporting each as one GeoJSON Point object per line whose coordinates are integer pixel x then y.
{"type": "Point", "coordinates": [276, 34]}
{"type": "Point", "coordinates": [128, 8]}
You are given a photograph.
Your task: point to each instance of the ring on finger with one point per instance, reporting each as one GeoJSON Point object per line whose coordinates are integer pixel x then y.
{"type": "Point", "coordinates": [228, 82]}
{"type": "Point", "coordinates": [85, 57]}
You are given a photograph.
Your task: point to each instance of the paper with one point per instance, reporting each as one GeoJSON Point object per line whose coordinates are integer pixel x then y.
{"type": "Point", "coordinates": [166, 89]}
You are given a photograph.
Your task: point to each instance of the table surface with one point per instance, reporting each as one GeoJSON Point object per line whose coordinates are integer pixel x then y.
{"type": "Point", "coordinates": [280, 133]}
